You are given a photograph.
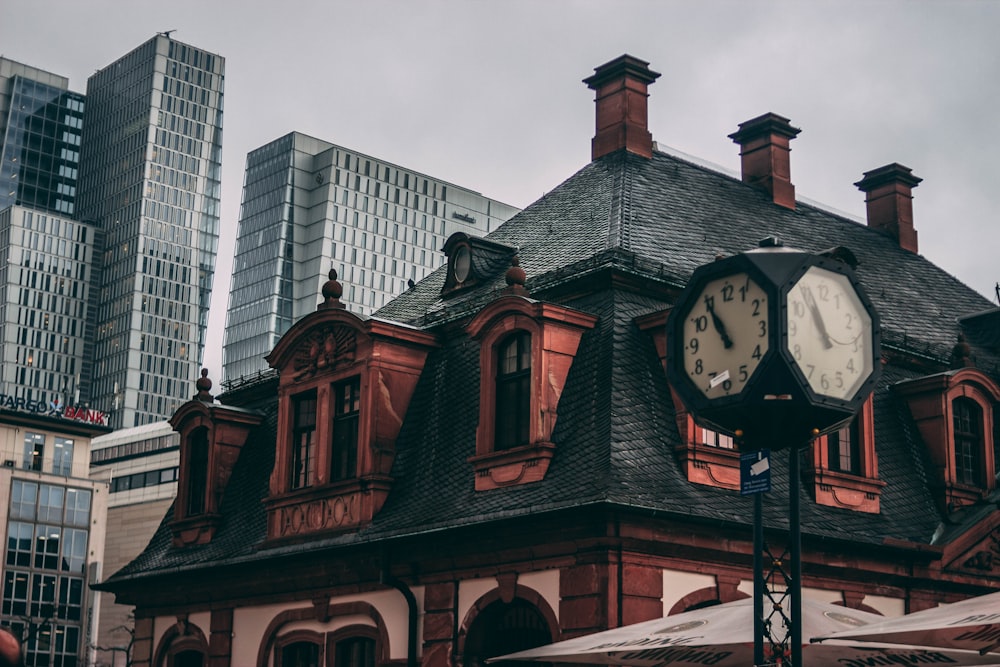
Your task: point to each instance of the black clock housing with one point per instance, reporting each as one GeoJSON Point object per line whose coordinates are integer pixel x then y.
{"type": "Point", "coordinates": [777, 406]}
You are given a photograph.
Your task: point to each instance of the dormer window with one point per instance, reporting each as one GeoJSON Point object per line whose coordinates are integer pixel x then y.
{"type": "Point", "coordinates": [473, 260]}
{"type": "Point", "coordinates": [844, 470]}
{"type": "Point", "coordinates": [526, 350]}
{"type": "Point", "coordinates": [212, 436]}
{"type": "Point", "coordinates": [344, 386]}
{"type": "Point", "coordinates": [955, 414]}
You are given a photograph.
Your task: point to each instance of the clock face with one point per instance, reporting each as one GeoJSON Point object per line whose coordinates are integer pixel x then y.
{"type": "Point", "coordinates": [726, 335]}
{"type": "Point", "coordinates": [461, 264]}
{"type": "Point", "coordinates": [829, 333]}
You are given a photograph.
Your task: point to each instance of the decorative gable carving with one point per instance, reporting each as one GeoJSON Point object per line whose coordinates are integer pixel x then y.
{"type": "Point", "coordinates": [323, 351]}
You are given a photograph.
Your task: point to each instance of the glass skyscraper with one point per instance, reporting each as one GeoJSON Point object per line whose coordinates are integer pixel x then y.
{"type": "Point", "coordinates": [40, 124]}
{"type": "Point", "coordinates": [150, 183]}
{"type": "Point", "coordinates": [309, 206]}
{"type": "Point", "coordinates": [45, 255]}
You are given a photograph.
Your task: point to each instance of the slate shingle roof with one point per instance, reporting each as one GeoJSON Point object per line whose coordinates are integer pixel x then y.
{"type": "Point", "coordinates": [658, 219]}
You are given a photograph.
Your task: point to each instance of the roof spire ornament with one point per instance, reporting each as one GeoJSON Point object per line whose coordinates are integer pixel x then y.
{"type": "Point", "coordinates": [961, 354]}
{"type": "Point", "coordinates": [515, 277]}
{"type": "Point", "coordinates": [332, 291]}
{"type": "Point", "coordinates": [204, 386]}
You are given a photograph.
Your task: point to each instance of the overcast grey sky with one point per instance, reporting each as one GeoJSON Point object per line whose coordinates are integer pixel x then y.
{"type": "Point", "coordinates": [488, 95]}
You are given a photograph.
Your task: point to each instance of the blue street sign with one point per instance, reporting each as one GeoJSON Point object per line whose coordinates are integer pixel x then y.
{"type": "Point", "coordinates": [755, 472]}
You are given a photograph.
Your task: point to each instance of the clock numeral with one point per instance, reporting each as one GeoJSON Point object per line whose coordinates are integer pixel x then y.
{"type": "Point", "coordinates": [727, 385]}
{"type": "Point", "coordinates": [836, 301]}
{"type": "Point", "coordinates": [756, 307]}
{"type": "Point", "coordinates": [798, 309]}
{"type": "Point", "coordinates": [824, 292]}
{"type": "Point", "coordinates": [709, 302]}
{"type": "Point", "coordinates": [812, 369]}
{"type": "Point", "coordinates": [793, 328]}
{"type": "Point", "coordinates": [856, 344]}
{"type": "Point", "coordinates": [693, 345]}
{"type": "Point", "coordinates": [824, 381]}
{"type": "Point", "coordinates": [797, 351]}
{"type": "Point", "coordinates": [850, 321]}
{"type": "Point", "coordinates": [699, 368]}
{"type": "Point", "coordinates": [743, 373]}
{"type": "Point", "coordinates": [756, 352]}
{"type": "Point", "coordinates": [839, 380]}
{"type": "Point", "coordinates": [700, 323]}
{"type": "Point", "coordinates": [850, 366]}
{"type": "Point", "coordinates": [763, 329]}
{"type": "Point", "coordinates": [727, 292]}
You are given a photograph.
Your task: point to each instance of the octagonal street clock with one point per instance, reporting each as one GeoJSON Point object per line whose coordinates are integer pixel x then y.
{"type": "Point", "coordinates": [773, 345]}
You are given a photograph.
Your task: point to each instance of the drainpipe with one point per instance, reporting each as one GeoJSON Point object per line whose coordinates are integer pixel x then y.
{"type": "Point", "coordinates": [411, 604]}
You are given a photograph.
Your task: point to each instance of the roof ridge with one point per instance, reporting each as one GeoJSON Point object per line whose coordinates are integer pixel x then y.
{"type": "Point", "coordinates": [620, 211]}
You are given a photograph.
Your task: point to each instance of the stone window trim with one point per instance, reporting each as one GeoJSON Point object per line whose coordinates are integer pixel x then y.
{"type": "Point", "coordinates": [931, 401]}
{"type": "Point", "coordinates": [320, 614]}
{"type": "Point", "coordinates": [317, 355]}
{"type": "Point", "coordinates": [300, 636]}
{"type": "Point", "coordinates": [226, 430]}
{"type": "Point", "coordinates": [555, 332]}
{"type": "Point", "coordinates": [860, 492]}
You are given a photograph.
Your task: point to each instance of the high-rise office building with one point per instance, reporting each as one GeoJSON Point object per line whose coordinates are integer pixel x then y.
{"type": "Point", "coordinates": [46, 257]}
{"type": "Point", "coordinates": [40, 124]}
{"type": "Point", "coordinates": [309, 206]}
{"type": "Point", "coordinates": [149, 181]}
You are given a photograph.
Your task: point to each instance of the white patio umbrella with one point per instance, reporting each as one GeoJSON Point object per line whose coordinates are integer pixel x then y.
{"type": "Point", "coordinates": [972, 624]}
{"type": "Point", "coordinates": [723, 636]}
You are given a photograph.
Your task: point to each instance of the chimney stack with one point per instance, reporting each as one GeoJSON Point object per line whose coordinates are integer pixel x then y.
{"type": "Point", "coordinates": [764, 154]}
{"type": "Point", "coordinates": [888, 195]}
{"type": "Point", "coordinates": [622, 120]}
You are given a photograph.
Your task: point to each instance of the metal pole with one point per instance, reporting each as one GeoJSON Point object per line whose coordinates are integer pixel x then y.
{"type": "Point", "coordinates": [795, 551]}
{"type": "Point", "coordinates": [758, 579]}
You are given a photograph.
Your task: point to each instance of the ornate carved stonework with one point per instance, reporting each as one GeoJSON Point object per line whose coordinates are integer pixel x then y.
{"type": "Point", "coordinates": [986, 555]}
{"type": "Point", "coordinates": [324, 350]}
{"type": "Point", "coordinates": [318, 515]}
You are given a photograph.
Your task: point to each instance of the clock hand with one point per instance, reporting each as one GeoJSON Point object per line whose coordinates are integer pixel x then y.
{"type": "Point", "coordinates": [817, 316]}
{"type": "Point", "coordinates": [719, 326]}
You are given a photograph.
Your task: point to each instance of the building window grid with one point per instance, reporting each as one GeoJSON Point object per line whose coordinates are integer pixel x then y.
{"type": "Point", "coordinates": [347, 406]}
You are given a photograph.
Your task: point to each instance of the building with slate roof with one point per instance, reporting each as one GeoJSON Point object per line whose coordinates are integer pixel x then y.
{"type": "Point", "coordinates": [494, 460]}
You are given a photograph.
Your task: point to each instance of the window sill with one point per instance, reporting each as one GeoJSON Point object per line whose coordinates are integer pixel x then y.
{"type": "Point", "coordinates": [710, 466]}
{"type": "Point", "coordinates": [512, 467]}
{"type": "Point", "coordinates": [330, 508]}
{"type": "Point", "coordinates": [197, 529]}
{"type": "Point", "coordinates": [833, 488]}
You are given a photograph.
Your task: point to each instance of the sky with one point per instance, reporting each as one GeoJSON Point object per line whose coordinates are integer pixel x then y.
{"type": "Point", "coordinates": [488, 95]}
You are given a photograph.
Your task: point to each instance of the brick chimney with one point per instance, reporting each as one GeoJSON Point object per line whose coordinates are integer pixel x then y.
{"type": "Point", "coordinates": [621, 107]}
{"type": "Point", "coordinates": [764, 154]}
{"type": "Point", "coordinates": [888, 194]}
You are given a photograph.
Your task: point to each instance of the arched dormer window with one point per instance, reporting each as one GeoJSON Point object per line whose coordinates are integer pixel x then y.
{"type": "Point", "coordinates": [211, 438]}
{"type": "Point", "coordinates": [954, 413]}
{"type": "Point", "coordinates": [526, 350]}
{"type": "Point", "coordinates": [344, 387]}
{"type": "Point", "coordinates": [513, 391]}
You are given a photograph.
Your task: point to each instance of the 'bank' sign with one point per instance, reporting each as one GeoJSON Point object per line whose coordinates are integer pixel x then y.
{"type": "Point", "coordinates": [54, 409]}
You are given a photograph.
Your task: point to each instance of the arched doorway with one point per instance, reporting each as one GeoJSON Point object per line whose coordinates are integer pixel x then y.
{"type": "Point", "coordinates": [505, 627]}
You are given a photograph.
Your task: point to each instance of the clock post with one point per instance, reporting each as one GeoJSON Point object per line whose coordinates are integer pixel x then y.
{"type": "Point", "coordinates": [774, 346]}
